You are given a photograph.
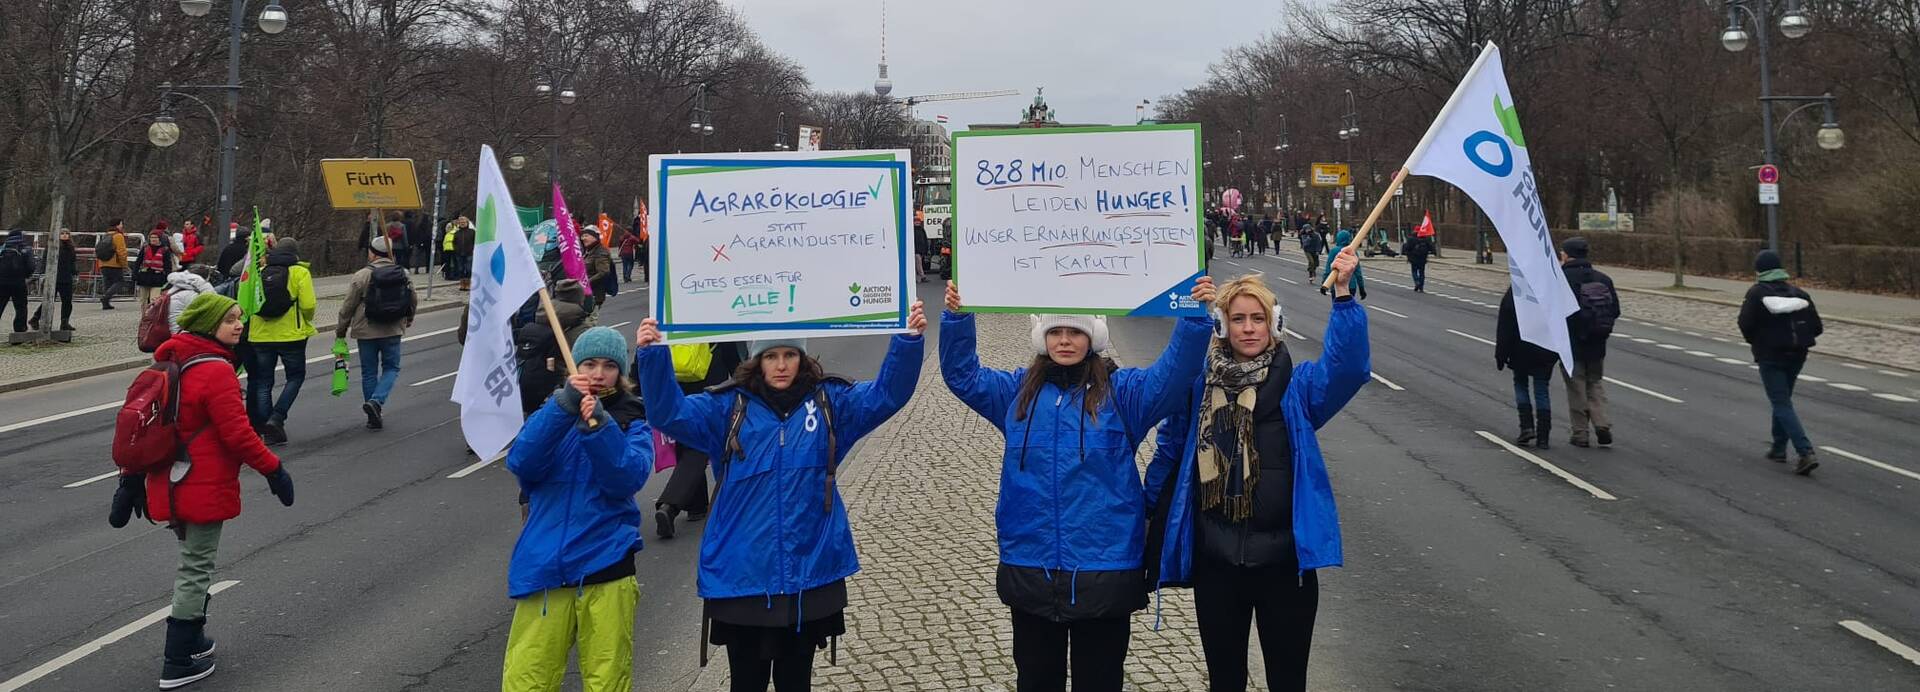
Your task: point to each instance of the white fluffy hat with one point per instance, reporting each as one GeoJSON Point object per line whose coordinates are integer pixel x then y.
{"type": "Point", "coordinates": [1094, 326]}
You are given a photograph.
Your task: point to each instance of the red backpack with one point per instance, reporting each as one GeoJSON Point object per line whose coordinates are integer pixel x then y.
{"type": "Point", "coordinates": [154, 328]}
{"type": "Point", "coordinates": [146, 435]}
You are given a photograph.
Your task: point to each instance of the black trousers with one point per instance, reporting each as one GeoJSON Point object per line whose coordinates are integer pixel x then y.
{"type": "Point", "coordinates": [1095, 649]}
{"type": "Point", "coordinates": [687, 486]}
{"type": "Point", "coordinates": [66, 304]}
{"type": "Point", "coordinates": [1226, 599]}
{"type": "Point", "coordinates": [792, 672]}
{"type": "Point", "coordinates": [15, 295]}
{"type": "Point", "coordinates": [110, 280]}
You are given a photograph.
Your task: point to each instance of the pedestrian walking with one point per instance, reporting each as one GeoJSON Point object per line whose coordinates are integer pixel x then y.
{"type": "Point", "coordinates": [277, 335]}
{"type": "Point", "coordinates": [376, 311]}
{"type": "Point", "coordinates": [629, 254]}
{"type": "Point", "coordinates": [1071, 518]}
{"type": "Point", "coordinates": [182, 287]}
{"type": "Point", "coordinates": [599, 267]}
{"type": "Point", "coordinates": [579, 459]}
{"type": "Point", "coordinates": [154, 265]}
{"type": "Point", "coordinates": [202, 492]}
{"type": "Point", "coordinates": [1780, 323]}
{"type": "Point", "coordinates": [1311, 244]}
{"type": "Point", "coordinates": [66, 267]}
{"type": "Point", "coordinates": [463, 253]}
{"type": "Point", "coordinates": [1238, 490]}
{"type": "Point", "coordinates": [16, 267]}
{"type": "Point", "coordinates": [1417, 249]}
{"type": "Point", "coordinates": [1532, 368]}
{"type": "Point", "coordinates": [1264, 234]}
{"type": "Point", "coordinates": [696, 367]}
{"type": "Point", "coordinates": [110, 250]}
{"type": "Point", "coordinates": [1588, 329]}
{"type": "Point", "coordinates": [1357, 283]}
{"type": "Point", "coordinates": [777, 551]}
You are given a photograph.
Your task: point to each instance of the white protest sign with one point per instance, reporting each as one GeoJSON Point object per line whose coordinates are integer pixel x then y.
{"type": "Point", "coordinates": [1101, 220]}
{"type": "Point", "coordinates": [780, 244]}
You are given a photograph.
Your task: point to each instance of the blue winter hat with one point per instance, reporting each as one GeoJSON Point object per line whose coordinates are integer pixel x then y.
{"type": "Point", "coordinates": [600, 342]}
{"type": "Point", "coordinates": [761, 346]}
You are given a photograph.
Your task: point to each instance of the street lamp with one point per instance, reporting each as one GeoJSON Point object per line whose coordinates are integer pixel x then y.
{"type": "Point", "coordinates": [273, 19]}
{"type": "Point", "coordinates": [780, 132]}
{"type": "Point", "coordinates": [164, 132]}
{"type": "Point", "coordinates": [552, 84]}
{"type": "Point", "coordinates": [1793, 24]}
{"type": "Point", "coordinates": [702, 121]}
{"type": "Point", "coordinates": [517, 161]}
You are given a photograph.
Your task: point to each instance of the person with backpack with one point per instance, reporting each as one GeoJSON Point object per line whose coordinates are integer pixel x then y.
{"type": "Point", "coordinates": [778, 550]}
{"type": "Point", "coordinates": [154, 265]}
{"type": "Point", "coordinates": [1071, 517]}
{"type": "Point", "coordinates": [1417, 248]}
{"type": "Point", "coordinates": [1588, 329]}
{"type": "Point", "coordinates": [1310, 243]}
{"type": "Point", "coordinates": [1357, 283]}
{"type": "Point", "coordinates": [277, 335]}
{"type": "Point", "coordinates": [697, 368]}
{"type": "Point", "coordinates": [195, 487]}
{"type": "Point", "coordinates": [1532, 368]}
{"type": "Point", "coordinates": [16, 267]}
{"type": "Point", "coordinates": [1237, 490]}
{"type": "Point", "coordinates": [110, 251]}
{"type": "Point", "coordinates": [1780, 323]}
{"type": "Point", "coordinates": [376, 311]}
{"type": "Point", "coordinates": [66, 266]}
{"type": "Point", "coordinates": [536, 350]}
{"type": "Point", "coordinates": [182, 287]}
{"type": "Point", "coordinates": [579, 460]}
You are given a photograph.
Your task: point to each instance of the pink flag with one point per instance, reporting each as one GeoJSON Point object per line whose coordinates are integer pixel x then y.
{"type": "Point", "coordinates": [568, 234]}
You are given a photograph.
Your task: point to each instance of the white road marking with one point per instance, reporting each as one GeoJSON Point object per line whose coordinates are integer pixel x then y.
{"type": "Point", "coordinates": [1377, 308]}
{"type": "Point", "coordinates": [1842, 386]}
{"type": "Point", "coordinates": [1644, 390]}
{"type": "Point", "coordinates": [1810, 378]}
{"type": "Point", "coordinates": [68, 658]}
{"type": "Point", "coordinates": [1291, 281]}
{"type": "Point", "coordinates": [1542, 463]}
{"type": "Point", "coordinates": [1693, 334]}
{"type": "Point", "coordinates": [1387, 382]}
{"type": "Point", "coordinates": [1723, 340]}
{"type": "Point", "coordinates": [1290, 332]}
{"type": "Point", "coordinates": [618, 325]}
{"type": "Point", "coordinates": [1896, 397]}
{"type": "Point", "coordinates": [1470, 336]}
{"type": "Point", "coordinates": [1870, 462]}
{"type": "Point", "coordinates": [432, 380]}
{"type": "Point", "coordinates": [1895, 374]}
{"type": "Point", "coordinates": [1671, 347]}
{"type": "Point", "coordinates": [476, 466]}
{"type": "Point", "coordinates": [1731, 361]}
{"type": "Point", "coordinates": [1885, 642]}
{"type": "Point", "coordinates": [1702, 354]}
{"type": "Point", "coordinates": [1644, 340]}
{"type": "Point", "coordinates": [1671, 329]}
{"type": "Point", "coordinates": [1855, 366]}
{"type": "Point", "coordinates": [94, 479]}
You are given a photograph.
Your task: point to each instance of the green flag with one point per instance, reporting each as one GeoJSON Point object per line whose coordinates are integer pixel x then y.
{"type": "Point", "coordinates": [250, 294]}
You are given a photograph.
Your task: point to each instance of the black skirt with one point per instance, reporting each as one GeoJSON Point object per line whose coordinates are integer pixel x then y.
{"type": "Point", "coordinates": [765, 629]}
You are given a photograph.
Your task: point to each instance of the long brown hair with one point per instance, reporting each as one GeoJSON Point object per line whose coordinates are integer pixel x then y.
{"type": "Point", "coordinates": [748, 373]}
{"type": "Point", "coordinates": [1098, 384]}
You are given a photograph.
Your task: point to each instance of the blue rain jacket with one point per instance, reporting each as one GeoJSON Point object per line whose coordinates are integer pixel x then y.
{"type": "Point", "coordinates": [581, 517]}
{"type": "Point", "coordinates": [1320, 388]}
{"type": "Point", "coordinates": [770, 531]}
{"type": "Point", "coordinates": [1070, 493]}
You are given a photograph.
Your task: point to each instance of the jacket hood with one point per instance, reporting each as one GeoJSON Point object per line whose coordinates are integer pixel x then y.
{"type": "Point", "coordinates": [285, 252]}
{"type": "Point", "coordinates": [189, 281]}
{"type": "Point", "coordinates": [186, 345]}
{"type": "Point", "coordinates": [1781, 305]}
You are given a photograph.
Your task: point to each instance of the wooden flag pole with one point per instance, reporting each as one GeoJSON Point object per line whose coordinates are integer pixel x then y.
{"type": "Point", "coordinates": [1359, 239]}
{"type": "Point", "coordinates": [560, 337]}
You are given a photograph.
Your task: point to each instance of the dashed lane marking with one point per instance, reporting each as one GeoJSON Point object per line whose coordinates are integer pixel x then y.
{"type": "Point", "coordinates": [1896, 397]}
{"type": "Point", "coordinates": [1885, 642]}
{"type": "Point", "coordinates": [1810, 378]}
{"type": "Point", "coordinates": [1377, 308]}
{"type": "Point", "coordinates": [94, 479]}
{"type": "Point", "coordinates": [82, 651]}
{"type": "Point", "coordinates": [476, 466]}
{"type": "Point", "coordinates": [1895, 374]}
{"type": "Point", "coordinates": [1644, 390]}
{"type": "Point", "coordinates": [1731, 361]}
{"type": "Point", "coordinates": [434, 379]}
{"type": "Point", "coordinates": [1550, 468]}
{"type": "Point", "coordinates": [1387, 382]}
{"type": "Point", "coordinates": [1290, 332]}
{"type": "Point", "coordinates": [1871, 462]}
{"type": "Point", "coordinates": [1291, 281]}
{"type": "Point", "coordinates": [1842, 386]}
{"type": "Point", "coordinates": [1470, 336]}
{"type": "Point", "coordinates": [1702, 354]}
{"type": "Point", "coordinates": [1855, 366]}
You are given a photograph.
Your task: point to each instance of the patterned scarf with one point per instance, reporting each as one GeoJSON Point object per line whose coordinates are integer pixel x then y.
{"type": "Point", "coordinates": [1226, 431]}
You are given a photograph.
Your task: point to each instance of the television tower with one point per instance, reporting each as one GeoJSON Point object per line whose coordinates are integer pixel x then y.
{"type": "Point", "coordinates": [883, 86]}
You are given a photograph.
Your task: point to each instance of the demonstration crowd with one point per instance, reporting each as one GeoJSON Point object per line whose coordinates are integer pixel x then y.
{"type": "Point", "coordinates": [1235, 503]}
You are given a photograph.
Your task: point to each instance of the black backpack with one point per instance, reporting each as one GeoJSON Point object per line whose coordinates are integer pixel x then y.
{"type": "Point", "coordinates": [533, 348]}
{"type": "Point", "coordinates": [1598, 309]}
{"type": "Point", "coordinates": [389, 295]}
{"type": "Point", "coordinates": [103, 248]}
{"type": "Point", "coordinates": [276, 296]}
{"type": "Point", "coordinates": [15, 265]}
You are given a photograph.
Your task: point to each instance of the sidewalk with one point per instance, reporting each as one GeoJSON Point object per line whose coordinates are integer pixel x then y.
{"type": "Point", "coordinates": [922, 613]}
{"type": "Point", "coordinates": [103, 340]}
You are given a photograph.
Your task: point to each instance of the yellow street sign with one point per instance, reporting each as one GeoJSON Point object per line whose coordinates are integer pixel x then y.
{"type": "Point", "coordinates": [1331, 175]}
{"type": "Point", "coordinates": [371, 183]}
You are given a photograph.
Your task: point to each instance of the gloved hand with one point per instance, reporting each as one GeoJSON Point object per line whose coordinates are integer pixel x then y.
{"type": "Point", "coordinates": [129, 500]}
{"type": "Point", "coordinates": [569, 400]}
{"type": "Point", "coordinates": [282, 485]}
{"type": "Point", "coordinates": [1499, 364]}
{"type": "Point", "coordinates": [1363, 293]}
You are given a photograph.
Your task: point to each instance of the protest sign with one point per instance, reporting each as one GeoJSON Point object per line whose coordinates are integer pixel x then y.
{"type": "Point", "coordinates": [787, 244]}
{"type": "Point", "coordinates": [1099, 220]}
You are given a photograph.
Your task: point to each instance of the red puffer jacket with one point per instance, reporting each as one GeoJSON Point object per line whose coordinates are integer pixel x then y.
{"type": "Point", "coordinates": [213, 419]}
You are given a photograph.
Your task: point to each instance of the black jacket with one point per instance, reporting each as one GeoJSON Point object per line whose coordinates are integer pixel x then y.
{"type": "Point", "coordinates": [67, 265]}
{"type": "Point", "coordinates": [1416, 249]}
{"type": "Point", "coordinates": [1586, 348]}
{"type": "Point", "coordinates": [1778, 337]}
{"type": "Point", "coordinates": [235, 250]}
{"type": "Point", "coordinates": [1264, 539]}
{"type": "Point", "coordinates": [1511, 351]}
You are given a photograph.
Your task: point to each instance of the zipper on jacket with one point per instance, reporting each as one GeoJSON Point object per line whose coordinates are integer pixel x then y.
{"type": "Point", "coordinates": [1059, 551]}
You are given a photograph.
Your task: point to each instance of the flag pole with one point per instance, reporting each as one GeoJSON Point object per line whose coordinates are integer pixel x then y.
{"type": "Point", "coordinates": [1360, 239]}
{"type": "Point", "coordinates": [560, 337]}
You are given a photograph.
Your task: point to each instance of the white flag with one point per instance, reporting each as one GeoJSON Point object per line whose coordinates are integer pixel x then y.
{"type": "Point", "coordinates": [1476, 144]}
{"type": "Point", "coordinates": [504, 275]}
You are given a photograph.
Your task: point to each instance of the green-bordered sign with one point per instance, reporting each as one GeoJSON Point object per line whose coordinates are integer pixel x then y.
{"type": "Point", "coordinates": [780, 244]}
{"type": "Point", "coordinates": [1101, 220]}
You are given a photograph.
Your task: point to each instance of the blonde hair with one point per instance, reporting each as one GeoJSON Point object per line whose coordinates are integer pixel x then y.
{"type": "Point", "coordinates": [1252, 286]}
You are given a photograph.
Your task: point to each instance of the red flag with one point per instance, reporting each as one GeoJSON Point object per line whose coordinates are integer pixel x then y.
{"type": "Point", "coordinates": [1425, 229]}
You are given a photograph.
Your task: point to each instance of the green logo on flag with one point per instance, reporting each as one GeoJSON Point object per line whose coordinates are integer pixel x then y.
{"type": "Point", "coordinates": [1509, 121]}
{"type": "Point", "coordinates": [484, 232]}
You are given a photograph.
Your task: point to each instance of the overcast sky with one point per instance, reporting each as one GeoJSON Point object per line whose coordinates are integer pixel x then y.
{"type": "Point", "coordinates": [1096, 58]}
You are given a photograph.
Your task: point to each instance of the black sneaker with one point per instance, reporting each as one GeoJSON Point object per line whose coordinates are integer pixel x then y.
{"type": "Point", "coordinates": [663, 521]}
{"type": "Point", "coordinates": [1778, 456]}
{"type": "Point", "coordinates": [1807, 464]}
{"type": "Point", "coordinates": [372, 408]}
{"type": "Point", "coordinates": [1526, 437]}
{"type": "Point", "coordinates": [1603, 436]}
{"type": "Point", "coordinates": [180, 666]}
{"type": "Point", "coordinates": [273, 432]}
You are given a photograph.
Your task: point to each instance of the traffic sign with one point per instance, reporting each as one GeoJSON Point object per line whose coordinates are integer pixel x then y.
{"type": "Point", "coordinates": [371, 183]}
{"type": "Point", "coordinates": [1330, 175]}
{"type": "Point", "coordinates": [1769, 174]}
{"type": "Point", "coordinates": [1769, 193]}
{"type": "Point", "coordinates": [1349, 194]}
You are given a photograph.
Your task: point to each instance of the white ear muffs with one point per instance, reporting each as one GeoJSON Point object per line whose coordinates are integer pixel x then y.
{"type": "Point", "coordinates": [1277, 318]}
{"type": "Point", "coordinates": [1220, 323]}
{"type": "Point", "coordinates": [1101, 340]}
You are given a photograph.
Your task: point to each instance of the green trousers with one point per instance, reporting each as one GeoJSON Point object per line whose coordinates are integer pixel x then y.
{"type": "Point", "coordinates": [596, 619]}
{"type": "Point", "coordinates": [197, 551]}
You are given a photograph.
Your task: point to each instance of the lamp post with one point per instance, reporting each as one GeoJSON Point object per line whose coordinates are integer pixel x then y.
{"type": "Point", "coordinates": [1279, 154]}
{"type": "Point", "coordinates": [272, 20]}
{"type": "Point", "coordinates": [702, 121]}
{"type": "Point", "coordinates": [553, 85]}
{"type": "Point", "coordinates": [1349, 131]}
{"type": "Point", "coordinates": [1793, 24]}
{"type": "Point", "coordinates": [780, 132]}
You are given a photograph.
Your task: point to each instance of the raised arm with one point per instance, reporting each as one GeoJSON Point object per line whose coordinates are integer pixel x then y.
{"type": "Point", "coordinates": [1345, 363]}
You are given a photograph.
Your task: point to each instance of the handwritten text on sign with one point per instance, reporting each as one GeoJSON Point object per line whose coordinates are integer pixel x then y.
{"type": "Point", "coordinates": [1094, 219]}
{"type": "Point", "coordinates": [778, 244]}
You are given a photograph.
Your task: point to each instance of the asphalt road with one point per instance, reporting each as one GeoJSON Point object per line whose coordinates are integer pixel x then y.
{"type": "Point", "coordinates": [1468, 566]}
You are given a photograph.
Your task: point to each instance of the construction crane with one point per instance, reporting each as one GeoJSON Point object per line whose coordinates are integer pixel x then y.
{"type": "Point", "coordinates": [912, 101]}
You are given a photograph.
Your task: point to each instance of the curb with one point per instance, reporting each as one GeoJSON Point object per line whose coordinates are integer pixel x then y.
{"type": "Point", "coordinates": [142, 362]}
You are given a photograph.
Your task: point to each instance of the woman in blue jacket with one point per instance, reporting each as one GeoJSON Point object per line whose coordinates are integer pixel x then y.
{"type": "Point", "coordinates": [1071, 517]}
{"type": "Point", "coordinates": [579, 459]}
{"type": "Point", "coordinates": [1239, 486]}
{"type": "Point", "coordinates": [777, 550]}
